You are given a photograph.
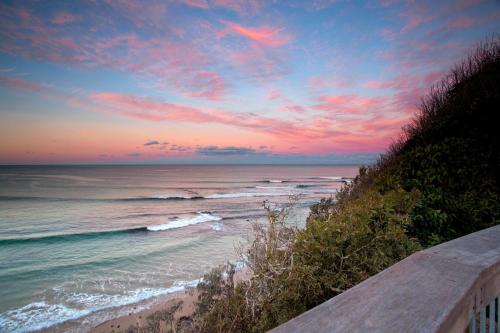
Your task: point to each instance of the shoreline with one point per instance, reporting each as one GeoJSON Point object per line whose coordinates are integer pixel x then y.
{"type": "Point", "coordinates": [120, 318]}
{"type": "Point", "coordinates": [140, 318]}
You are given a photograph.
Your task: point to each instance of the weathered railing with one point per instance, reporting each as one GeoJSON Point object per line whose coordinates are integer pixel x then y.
{"type": "Point", "coordinates": [452, 287]}
{"type": "Point", "coordinates": [492, 326]}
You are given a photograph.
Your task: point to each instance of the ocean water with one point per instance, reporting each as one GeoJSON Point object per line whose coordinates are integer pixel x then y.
{"type": "Point", "coordinates": [77, 242]}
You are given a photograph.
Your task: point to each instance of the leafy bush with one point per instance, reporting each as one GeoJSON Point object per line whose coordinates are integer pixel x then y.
{"type": "Point", "coordinates": [223, 305]}
{"type": "Point", "coordinates": [294, 270]}
{"type": "Point", "coordinates": [365, 237]}
{"type": "Point", "coordinates": [458, 196]}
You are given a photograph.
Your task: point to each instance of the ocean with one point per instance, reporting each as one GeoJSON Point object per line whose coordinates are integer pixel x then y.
{"type": "Point", "coordinates": [80, 244]}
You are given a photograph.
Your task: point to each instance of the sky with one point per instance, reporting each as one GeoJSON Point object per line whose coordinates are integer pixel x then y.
{"type": "Point", "coordinates": [221, 81]}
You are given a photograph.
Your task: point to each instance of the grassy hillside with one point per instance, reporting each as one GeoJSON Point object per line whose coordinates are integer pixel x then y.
{"type": "Point", "coordinates": [439, 181]}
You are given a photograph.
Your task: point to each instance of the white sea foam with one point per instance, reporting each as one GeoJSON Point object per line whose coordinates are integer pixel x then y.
{"type": "Point", "coordinates": [240, 265]}
{"type": "Point", "coordinates": [324, 190]}
{"type": "Point", "coordinates": [226, 195]}
{"type": "Point", "coordinates": [69, 177]}
{"type": "Point", "coordinates": [275, 181]}
{"type": "Point", "coordinates": [166, 196]}
{"type": "Point", "coordinates": [287, 190]}
{"type": "Point", "coordinates": [332, 178]}
{"type": "Point", "coordinates": [200, 218]}
{"type": "Point", "coordinates": [36, 316]}
{"type": "Point", "coordinates": [39, 315]}
{"type": "Point", "coordinates": [274, 187]}
{"type": "Point", "coordinates": [217, 226]}
{"type": "Point", "coordinates": [244, 195]}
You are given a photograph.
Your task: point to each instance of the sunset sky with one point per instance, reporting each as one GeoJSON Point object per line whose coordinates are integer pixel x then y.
{"type": "Point", "coordinates": [212, 81]}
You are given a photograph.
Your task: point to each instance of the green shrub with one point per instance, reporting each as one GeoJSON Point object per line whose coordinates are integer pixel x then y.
{"type": "Point", "coordinates": [221, 304]}
{"type": "Point", "coordinates": [294, 270]}
{"type": "Point", "coordinates": [365, 237]}
{"type": "Point", "coordinates": [459, 194]}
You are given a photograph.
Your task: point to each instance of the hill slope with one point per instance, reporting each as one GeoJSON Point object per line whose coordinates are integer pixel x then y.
{"type": "Point", "coordinates": [450, 153]}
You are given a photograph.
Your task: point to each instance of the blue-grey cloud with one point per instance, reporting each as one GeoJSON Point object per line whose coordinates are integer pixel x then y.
{"type": "Point", "coordinates": [223, 155]}
{"type": "Point", "coordinates": [226, 151]}
{"type": "Point", "coordinates": [151, 143]}
{"type": "Point", "coordinates": [179, 148]}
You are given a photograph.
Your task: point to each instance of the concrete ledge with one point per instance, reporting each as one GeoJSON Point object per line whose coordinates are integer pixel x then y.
{"type": "Point", "coordinates": [435, 290]}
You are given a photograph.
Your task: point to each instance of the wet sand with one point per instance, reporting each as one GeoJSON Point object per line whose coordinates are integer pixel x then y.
{"type": "Point", "coordinates": [139, 319]}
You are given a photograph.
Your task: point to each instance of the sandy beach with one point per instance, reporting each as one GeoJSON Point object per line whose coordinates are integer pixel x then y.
{"type": "Point", "coordinates": [140, 318]}
{"type": "Point", "coordinates": [121, 319]}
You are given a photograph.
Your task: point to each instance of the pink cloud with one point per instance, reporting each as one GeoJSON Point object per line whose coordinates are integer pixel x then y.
{"type": "Point", "coordinates": [259, 64]}
{"type": "Point", "coordinates": [318, 82]}
{"type": "Point", "coordinates": [242, 7]}
{"type": "Point", "coordinates": [374, 133]}
{"type": "Point", "coordinates": [387, 3]}
{"type": "Point", "coordinates": [63, 18]}
{"type": "Point", "coordinates": [293, 108]}
{"type": "Point", "coordinates": [389, 34]}
{"type": "Point", "coordinates": [414, 21]}
{"type": "Point", "coordinates": [332, 133]}
{"type": "Point", "coordinates": [148, 109]}
{"type": "Point", "coordinates": [67, 43]}
{"type": "Point", "coordinates": [416, 14]}
{"type": "Point", "coordinates": [408, 89]}
{"type": "Point", "coordinates": [267, 36]}
{"type": "Point", "coordinates": [183, 66]}
{"type": "Point", "coordinates": [150, 15]}
{"type": "Point", "coordinates": [205, 84]}
{"type": "Point", "coordinates": [22, 84]}
{"type": "Point", "coordinates": [433, 50]}
{"type": "Point", "coordinates": [178, 58]}
{"type": "Point", "coordinates": [384, 125]}
{"type": "Point", "coordinates": [460, 23]}
{"type": "Point", "coordinates": [463, 4]}
{"type": "Point", "coordinates": [203, 4]}
{"type": "Point", "coordinates": [349, 104]}
{"type": "Point", "coordinates": [317, 5]}
{"type": "Point", "coordinates": [274, 94]}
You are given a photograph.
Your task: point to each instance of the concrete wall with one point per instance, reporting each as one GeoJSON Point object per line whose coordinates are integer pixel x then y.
{"type": "Point", "coordinates": [435, 290]}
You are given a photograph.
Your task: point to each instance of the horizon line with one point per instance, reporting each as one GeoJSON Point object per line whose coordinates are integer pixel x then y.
{"type": "Point", "coordinates": [167, 164]}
